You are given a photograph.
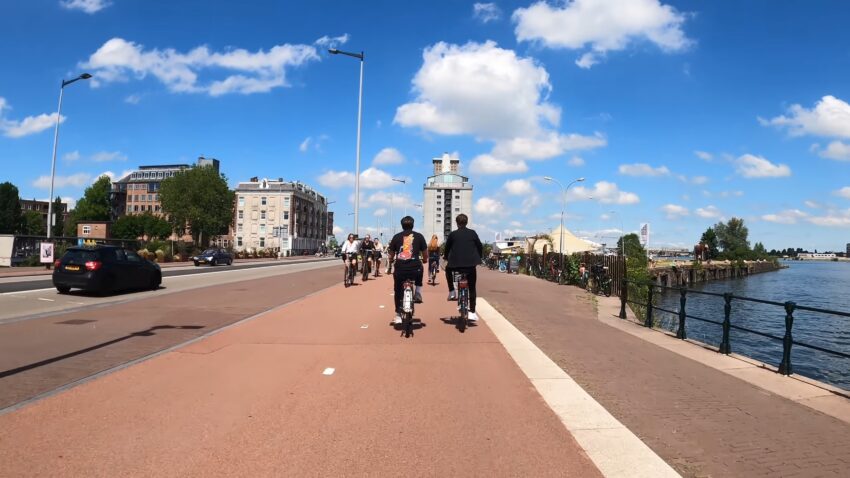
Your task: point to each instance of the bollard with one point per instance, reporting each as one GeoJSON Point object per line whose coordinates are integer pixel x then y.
{"type": "Point", "coordinates": [648, 321]}
{"type": "Point", "coordinates": [624, 297]}
{"type": "Point", "coordinates": [681, 334]}
{"type": "Point", "coordinates": [785, 367]}
{"type": "Point", "coordinates": [725, 347]}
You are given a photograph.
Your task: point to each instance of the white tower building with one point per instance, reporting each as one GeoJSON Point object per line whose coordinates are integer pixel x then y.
{"type": "Point", "coordinates": [446, 194]}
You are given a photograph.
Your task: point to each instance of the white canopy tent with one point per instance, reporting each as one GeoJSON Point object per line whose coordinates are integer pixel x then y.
{"type": "Point", "coordinates": [572, 243]}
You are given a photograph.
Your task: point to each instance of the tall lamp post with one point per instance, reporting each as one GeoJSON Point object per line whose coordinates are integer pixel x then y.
{"type": "Point", "coordinates": [360, 56]}
{"type": "Point", "coordinates": [561, 232]}
{"type": "Point", "coordinates": [84, 76]}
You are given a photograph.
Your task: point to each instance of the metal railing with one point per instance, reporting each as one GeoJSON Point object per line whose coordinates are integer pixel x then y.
{"type": "Point", "coordinates": [547, 267]}
{"type": "Point", "coordinates": [725, 347]}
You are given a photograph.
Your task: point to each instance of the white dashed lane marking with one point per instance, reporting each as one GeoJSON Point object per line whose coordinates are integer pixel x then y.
{"type": "Point", "coordinates": [328, 371]}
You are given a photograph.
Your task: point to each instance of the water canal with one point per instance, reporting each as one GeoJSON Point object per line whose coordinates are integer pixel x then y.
{"type": "Point", "coordinates": [823, 285]}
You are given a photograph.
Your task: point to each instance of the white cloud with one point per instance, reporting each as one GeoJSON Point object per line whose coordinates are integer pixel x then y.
{"type": "Point", "coordinates": [87, 6]}
{"type": "Point", "coordinates": [380, 212]}
{"type": "Point", "coordinates": [388, 156]}
{"type": "Point", "coordinates": [600, 26]}
{"type": "Point", "coordinates": [546, 145]}
{"type": "Point", "coordinates": [812, 204]}
{"type": "Point", "coordinates": [337, 230]}
{"type": "Point", "coordinates": [488, 207]}
{"type": "Point", "coordinates": [305, 145]}
{"type": "Point", "coordinates": [699, 179]}
{"type": "Point", "coordinates": [674, 211]}
{"type": "Point", "coordinates": [727, 194]}
{"type": "Point", "coordinates": [398, 201]}
{"type": "Point", "coordinates": [371, 178]}
{"type": "Point", "coordinates": [836, 150]}
{"type": "Point", "coordinates": [487, 164]}
{"type": "Point", "coordinates": [642, 169]}
{"type": "Point", "coordinates": [832, 219]}
{"type": "Point", "coordinates": [332, 42]}
{"type": "Point", "coordinates": [709, 212]}
{"type": "Point", "coordinates": [518, 187]}
{"type": "Point", "coordinates": [71, 202]}
{"type": "Point", "coordinates": [704, 156]}
{"type": "Point", "coordinates": [104, 156]}
{"type": "Point", "coordinates": [576, 161]}
{"type": "Point", "coordinates": [830, 117]}
{"type": "Point", "coordinates": [71, 157]}
{"type": "Point", "coordinates": [255, 72]}
{"type": "Point", "coordinates": [843, 192]}
{"type": "Point", "coordinates": [604, 192]}
{"type": "Point", "coordinates": [751, 166]}
{"type": "Point", "coordinates": [74, 180]}
{"type": "Point", "coordinates": [486, 12]}
{"type": "Point", "coordinates": [788, 216]}
{"type": "Point", "coordinates": [27, 126]}
{"type": "Point", "coordinates": [133, 99]}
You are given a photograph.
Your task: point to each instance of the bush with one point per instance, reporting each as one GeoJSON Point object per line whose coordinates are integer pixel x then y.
{"type": "Point", "coordinates": [160, 255]}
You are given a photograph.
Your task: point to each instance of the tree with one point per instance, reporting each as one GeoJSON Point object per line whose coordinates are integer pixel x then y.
{"type": "Point", "coordinates": [759, 251]}
{"type": "Point", "coordinates": [93, 206]}
{"type": "Point", "coordinates": [135, 226]}
{"type": "Point", "coordinates": [33, 224]}
{"type": "Point", "coordinates": [732, 238]}
{"type": "Point", "coordinates": [332, 244]}
{"type": "Point", "coordinates": [198, 199]}
{"type": "Point", "coordinates": [635, 253]}
{"type": "Point", "coordinates": [58, 221]}
{"type": "Point", "coordinates": [10, 209]}
{"type": "Point", "coordinates": [709, 238]}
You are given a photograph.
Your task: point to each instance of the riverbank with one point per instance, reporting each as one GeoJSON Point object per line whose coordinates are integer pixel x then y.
{"type": "Point", "coordinates": [682, 273]}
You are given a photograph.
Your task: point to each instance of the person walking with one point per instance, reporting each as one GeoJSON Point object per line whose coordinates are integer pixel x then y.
{"type": "Point", "coordinates": [407, 251]}
{"type": "Point", "coordinates": [463, 254]}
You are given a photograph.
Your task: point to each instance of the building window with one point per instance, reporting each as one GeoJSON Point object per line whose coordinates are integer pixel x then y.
{"type": "Point", "coordinates": [150, 198]}
{"type": "Point", "coordinates": [262, 214]}
{"type": "Point", "coordinates": [439, 209]}
{"type": "Point", "coordinates": [457, 209]}
{"type": "Point", "coordinates": [239, 227]}
{"type": "Point", "coordinates": [135, 208]}
{"type": "Point", "coordinates": [262, 242]}
{"type": "Point", "coordinates": [86, 230]}
{"type": "Point", "coordinates": [263, 201]}
{"type": "Point", "coordinates": [156, 208]}
{"type": "Point", "coordinates": [456, 197]}
{"type": "Point", "coordinates": [129, 208]}
{"type": "Point", "coordinates": [239, 241]}
{"type": "Point", "coordinates": [240, 217]}
{"type": "Point", "coordinates": [286, 215]}
{"type": "Point", "coordinates": [262, 228]}
{"type": "Point", "coordinates": [241, 201]}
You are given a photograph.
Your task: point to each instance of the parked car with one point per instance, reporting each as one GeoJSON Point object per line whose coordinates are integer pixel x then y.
{"type": "Point", "coordinates": [213, 256]}
{"type": "Point", "coordinates": [104, 268]}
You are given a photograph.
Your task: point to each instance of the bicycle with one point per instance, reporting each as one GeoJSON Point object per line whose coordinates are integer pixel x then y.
{"type": "Point", "coordinates": [601, 281]}
{"type": "Point", "coordinates": [462, 288]}
{"type": "Point", "coordinates": [407, 305]}
{"type": "Point", "coordinates": [366, 265]}
{"type": "Point", "coordinates": [350, 271]}
{"type": "Point", "coordinates": [432, 272]}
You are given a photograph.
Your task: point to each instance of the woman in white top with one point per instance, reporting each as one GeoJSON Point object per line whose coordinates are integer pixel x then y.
{"type": "Point", "coordinates": [350, 249]}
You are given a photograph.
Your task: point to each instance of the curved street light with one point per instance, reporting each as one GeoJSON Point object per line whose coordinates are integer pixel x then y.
{"type": "Point", "coordinates": [561, 232]}
{"type": "Point", "coordinates": [84, 76]}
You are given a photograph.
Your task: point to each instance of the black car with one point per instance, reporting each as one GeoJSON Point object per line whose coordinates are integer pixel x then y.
{"type": "Point", "coordinates": [213, 256]}
{"type": "Point", "coordinates": [104, 269]}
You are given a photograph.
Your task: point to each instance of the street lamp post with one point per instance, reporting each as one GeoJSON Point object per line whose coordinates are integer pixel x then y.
{"type": "Point", "coordinates": [360, 56]}
{"type": "Point", "coordinates": [84, 76]}
{"type": "Point", "coordinates": [561, 232]}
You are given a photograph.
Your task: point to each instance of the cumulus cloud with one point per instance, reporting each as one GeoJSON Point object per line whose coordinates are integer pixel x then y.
{"type": "Point", "coordinates": [380, 212]}
{"type": "Point", "coordinates": [843, 192]}
{"type": "Point", "coordinates": [575, 161]}
{"type": "Point", "coordinates": [251, 72]}
{"type": "Point", "coordinates": [305, 145]}
{"type": "Point", "coordinates": [461, 90]}
{"type": "Point", "coordinates": [30, 125]}
{"type": "Point", "coordinates": [74, 180]}
{"type": "Point", "coordinates": [788, 216]}
{"type": "Point", "coordinates": [836, 150]}
{"type": "Point", "coordinates": [486, 12]}
{"type": "Point", "coordinates": [488, 207]}
{"type": "Point", "coordinates": [704, 156]}
{"type": "Point", "coordinates": [518, 187]}
{"type": "Point", "coordinates": [751, 166]}
{"type": "Point", "coordinates": [642, 169]}
{"type": "Point", "coordinates": [133, 99]}
{"type": "Point", "coordinates": [71, 157]}
{"type": "Point", "coordinates": [830, 117]}
{"type": "Point", "coordinates": [709, 212]}
{"type": "Point", "coordinates": [834, 218]}
{"type": "Point", "coordinates": [105, 156]}
{"type": "Point", "coordinates": [675, 211]}
{"type": "Point", "coordinates": [487, 164]}
{"type": "Point", "coordinates": [87, 6]}
{"type": "Point", "coordinates": [388, 156]}
{"type": "Point", "coordinates": [699, 180]}
{"type": "Point", "coordinates": [332, 42]}
{"type": "Point", "coordinates": [371, 178]}
{"type": "Point", "coordinates": [604, 192]}
{"type": "Point", "coordinates": [600, 26]}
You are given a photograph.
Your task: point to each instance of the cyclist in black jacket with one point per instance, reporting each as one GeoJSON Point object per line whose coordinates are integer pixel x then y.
{"type": "Point", "coordinates": [463, 253]}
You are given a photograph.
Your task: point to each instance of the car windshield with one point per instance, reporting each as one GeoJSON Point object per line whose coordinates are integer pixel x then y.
{"type": "Point", "coordinates": [210, 251]}
{"type": "Point", "coordinates": [80, 255]}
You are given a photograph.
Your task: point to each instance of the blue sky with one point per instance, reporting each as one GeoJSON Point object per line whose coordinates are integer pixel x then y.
{"type": "Point", "coordinates": [677, 113]}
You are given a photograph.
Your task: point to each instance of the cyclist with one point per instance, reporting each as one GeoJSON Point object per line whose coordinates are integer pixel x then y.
{"type": "Point", "coordinates": [407, 251]}
{"type": "Point", "coordinates": [434, 256]}
{"type": "Point", "coordinates": [350, 249]}
{"type": "Point", "coordinates": [367, 247]}
{"type": "Point", "coordinates": [463, 253]}
{"type": "Point", "coordinates": [379, 249]}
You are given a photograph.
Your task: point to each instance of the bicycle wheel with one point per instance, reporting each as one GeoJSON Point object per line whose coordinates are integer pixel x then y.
{"type": "Point", "coordinates": [463, 299]}
{"type": "Point", "coordinates": [345, 276]}
{"type": "Point", "coordinates": [606, 288]}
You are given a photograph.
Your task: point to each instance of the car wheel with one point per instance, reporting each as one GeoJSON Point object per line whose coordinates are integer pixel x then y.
{"type": "Point", "coordinates": [230, 262]}
{"type": "Point", "coordinates": [63, 289]}
{"type": "Point", "coordinates": [156, 280]}
{"type": "Point", "coordinates": [196, 264]}
{"type": "Point", "coordinates": [213, 263]}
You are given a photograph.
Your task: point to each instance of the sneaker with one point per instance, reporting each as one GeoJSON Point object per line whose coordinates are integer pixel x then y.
{"type": "Point", "coordinates": [397, 320]}
{"type": "Point", "coordinates": [452, 295]}
{"type": "Point", "coordinates": [472, 317]}
{"type": "Point", "coordinates": [417, 298]}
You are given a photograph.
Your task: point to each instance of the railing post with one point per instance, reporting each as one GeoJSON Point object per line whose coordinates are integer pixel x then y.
{"type": "Point", "coordinates": [681, 334]}
{"type": "Point", "coordinates": [624, 297]}
{"type": "Point", "coordinates": [725, 347]}
{"type": "Point", "coordinates": [785, 367]}
{"type": "Point", "coordinates": [648, 321]}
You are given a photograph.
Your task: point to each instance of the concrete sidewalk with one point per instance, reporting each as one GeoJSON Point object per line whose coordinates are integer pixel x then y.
{"type": "Point", "coordinates": [322, 387]}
